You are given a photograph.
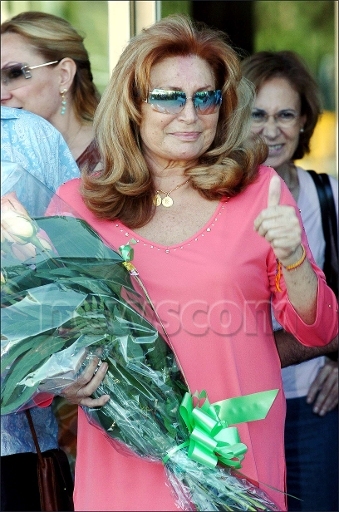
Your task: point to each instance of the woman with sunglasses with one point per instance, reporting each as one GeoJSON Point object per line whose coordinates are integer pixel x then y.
{"type": "Point", "coordinates": [30, 147]}
{"type": "Point", "coordinates": [285, 113]}
{"type": "Point", "coordinates": [45, 69]}
{"type": "Point", "coordinates": [217, 235]}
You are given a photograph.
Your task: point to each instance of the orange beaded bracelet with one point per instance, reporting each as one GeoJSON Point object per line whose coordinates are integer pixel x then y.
{"type": "Point", "coordinates": [299, 262]}
{"type": "Point", "coordinates": [288, 267]}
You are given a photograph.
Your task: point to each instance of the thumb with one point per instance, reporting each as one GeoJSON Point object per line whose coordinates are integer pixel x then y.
{"type": "Point", "coordinates": [274, 191]}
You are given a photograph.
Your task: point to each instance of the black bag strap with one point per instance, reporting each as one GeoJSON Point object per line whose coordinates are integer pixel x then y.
{"type": "Point", "coordinates": [329, 225]}
{"type": "Point", "coordinates": [328, 214]}
{"type": "Point", "coordinates": [34, 435]}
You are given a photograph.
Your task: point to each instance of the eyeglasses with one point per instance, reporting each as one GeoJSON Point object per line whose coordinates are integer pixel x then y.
{"type": "Point", "coordinates": [173, 102]}
{"type": "Point", "coordinates": [284, 118]}
{"type": "Point", "coordinates": [14, 76]}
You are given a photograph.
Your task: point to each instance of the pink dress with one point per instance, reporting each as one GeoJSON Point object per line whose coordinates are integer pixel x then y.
{"type": "Point", "coordinates": [213, 294]}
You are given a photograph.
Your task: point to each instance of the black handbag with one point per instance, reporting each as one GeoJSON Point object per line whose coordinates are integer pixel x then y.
{"type": "Point", "coordinates": [54, 476]}
{"type": "Point", "coordinates": [330, 230]}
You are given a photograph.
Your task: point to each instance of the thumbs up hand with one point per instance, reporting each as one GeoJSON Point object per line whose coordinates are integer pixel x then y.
{"type": "Point", "coordinates": [274, 192]}
{"type": "Point", "coordinates": [279, 224]}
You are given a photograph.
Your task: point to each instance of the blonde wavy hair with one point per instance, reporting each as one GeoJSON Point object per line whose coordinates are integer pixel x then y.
{"type": "Point", "coordinates": [125, 188]}
{"type": "Point", "coordinates": [54, 38]}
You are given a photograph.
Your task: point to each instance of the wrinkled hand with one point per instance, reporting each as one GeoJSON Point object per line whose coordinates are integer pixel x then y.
{"type": "Point", "coordinates": [279, 224]}
{"type": "Point", "coordinates": [81, 390]}
{"type": "Point", "coordinates": [324, 389]}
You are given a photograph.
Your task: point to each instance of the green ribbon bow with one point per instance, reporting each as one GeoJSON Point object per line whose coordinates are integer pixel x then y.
{"type": "Point", "coordinates": [211, 439]}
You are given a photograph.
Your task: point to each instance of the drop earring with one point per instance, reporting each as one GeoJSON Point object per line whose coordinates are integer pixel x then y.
{"type": "Point", "coordinates": [301, 130]}
{"type": "Point", "coordinates": [63, 102]}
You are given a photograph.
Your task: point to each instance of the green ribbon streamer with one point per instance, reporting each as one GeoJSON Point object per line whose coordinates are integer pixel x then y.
{"type": "Point", "coordinates": [212, 439]}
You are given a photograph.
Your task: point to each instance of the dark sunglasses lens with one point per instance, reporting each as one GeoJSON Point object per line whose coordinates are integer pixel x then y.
{"type": "Point", "coordinates": [207, 102]}
{"type": "Point", "coordinates": [13, 76]}
{"type": "Point", "coordinates": [169, 102]}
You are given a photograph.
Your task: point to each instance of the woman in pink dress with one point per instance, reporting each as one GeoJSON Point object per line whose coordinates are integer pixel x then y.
{"type": "Point", "coordinates": [218, 236]}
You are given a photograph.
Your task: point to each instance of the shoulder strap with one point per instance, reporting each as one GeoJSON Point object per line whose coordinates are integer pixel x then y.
{"type": "Point", "coordinates": [34, 435]}
{"type": "Point", "coordinates": [330, 229]}
{"type": "Point", "coordinates": [330, 206]}
{"type": "Point", "coordinates": [328, 213]}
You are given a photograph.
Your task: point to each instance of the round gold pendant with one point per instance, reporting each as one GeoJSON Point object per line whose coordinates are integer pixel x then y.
{"type": "Point", "coordinates": [157, 200]}
{"type": "Point", "coordinates": [167, 201]}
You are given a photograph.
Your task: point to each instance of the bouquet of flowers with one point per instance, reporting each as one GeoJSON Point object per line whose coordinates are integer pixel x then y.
{"type": "Point", "coordinates": [66, 297]}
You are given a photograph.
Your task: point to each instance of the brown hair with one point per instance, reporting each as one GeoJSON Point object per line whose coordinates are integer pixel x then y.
{"type": "Point", "coordinates": [263, 66]}
{"type": "Point", "coordinates": [125, 188]}
{"type": "Point", "coordinates": [54, 38]}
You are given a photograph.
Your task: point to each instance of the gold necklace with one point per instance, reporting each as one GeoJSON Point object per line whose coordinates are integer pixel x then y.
{"type": "Point", "coordinates": [166, 201]}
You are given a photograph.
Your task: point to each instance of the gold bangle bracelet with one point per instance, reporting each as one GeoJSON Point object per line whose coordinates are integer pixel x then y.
{"type": "Point", "coordinates": [297, 263]}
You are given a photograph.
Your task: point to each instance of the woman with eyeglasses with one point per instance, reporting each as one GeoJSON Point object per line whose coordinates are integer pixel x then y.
{"type": "Point", "coordinates": [45, 69]}
{"type": "Point", "coordinates": [217, 236]}
{"type": "Point", "coordinates": [285, 112]}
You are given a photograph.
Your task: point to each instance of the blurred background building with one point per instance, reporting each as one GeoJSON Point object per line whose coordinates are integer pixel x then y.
{"type": "Point", "coordinates": [307, 27]}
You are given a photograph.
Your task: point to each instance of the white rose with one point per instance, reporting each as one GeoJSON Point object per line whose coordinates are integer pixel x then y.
{"type": "Point", "coordinates": [17, 227]}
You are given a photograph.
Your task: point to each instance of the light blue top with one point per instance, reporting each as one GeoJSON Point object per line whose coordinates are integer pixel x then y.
{"type": "Point", "coordinates": [34, 144]}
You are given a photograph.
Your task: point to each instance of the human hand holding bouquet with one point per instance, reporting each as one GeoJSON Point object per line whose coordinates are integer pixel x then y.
{"type": "Point", "coordinates": [79, 298]}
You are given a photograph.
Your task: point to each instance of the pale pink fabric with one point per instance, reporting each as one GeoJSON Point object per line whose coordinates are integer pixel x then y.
{"type": "Point", "coordinates": [213, 294]}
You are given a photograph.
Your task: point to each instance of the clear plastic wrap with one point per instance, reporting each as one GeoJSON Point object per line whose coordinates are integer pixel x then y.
{"type": "Point", "coordinates": [67, 297]}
